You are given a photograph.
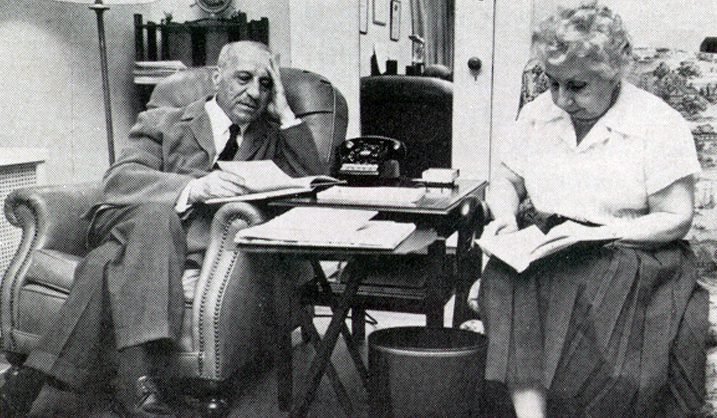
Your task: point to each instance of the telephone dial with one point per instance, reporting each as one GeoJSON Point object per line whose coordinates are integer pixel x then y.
{"type": "Point", "coordinates": [369, 158]}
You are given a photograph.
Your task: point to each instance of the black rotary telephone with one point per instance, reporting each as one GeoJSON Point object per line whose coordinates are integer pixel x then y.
{"type": "Point", "coordinates": [368, 158]}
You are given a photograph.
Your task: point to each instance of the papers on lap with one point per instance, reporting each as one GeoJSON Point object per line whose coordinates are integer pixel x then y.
{"type": "Point", "coordinates": [327, 227]}
{"type": "Point", "coordinates": [264, 179]}
{"type": "Point", "coordinates": [519, 249]}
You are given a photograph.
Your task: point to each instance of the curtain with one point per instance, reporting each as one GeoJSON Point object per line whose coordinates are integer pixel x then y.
{"type": "Point", "coordinates": [433, 20]}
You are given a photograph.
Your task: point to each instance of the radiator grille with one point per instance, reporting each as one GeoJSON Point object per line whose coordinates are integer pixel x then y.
{"type": "Point", "coordinates": [12, 177]}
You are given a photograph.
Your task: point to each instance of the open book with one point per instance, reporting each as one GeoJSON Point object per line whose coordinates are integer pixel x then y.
{"type": "Point", "coordinates": [264, 179]}
{"type": "Point", "coordinates": [519, 249]}
{"type": "Point", "coordinates": [327, 227]}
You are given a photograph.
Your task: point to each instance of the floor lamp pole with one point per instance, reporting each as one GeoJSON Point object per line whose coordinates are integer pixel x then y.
{"type": "Point", "coordinates": [100, 8]}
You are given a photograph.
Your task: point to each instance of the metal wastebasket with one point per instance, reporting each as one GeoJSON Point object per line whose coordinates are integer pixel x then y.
{"type": "Point", "coordinates": [425, 372]}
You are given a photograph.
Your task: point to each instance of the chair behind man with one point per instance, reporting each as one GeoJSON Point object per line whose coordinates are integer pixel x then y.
{"type": "Point", "coordinates": [41, 272]}
{"type": "Point", "coordinates": [415, 110]}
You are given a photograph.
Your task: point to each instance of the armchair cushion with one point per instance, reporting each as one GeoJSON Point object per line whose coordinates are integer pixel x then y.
{"type": "Point", "coordinates": [53, 269]}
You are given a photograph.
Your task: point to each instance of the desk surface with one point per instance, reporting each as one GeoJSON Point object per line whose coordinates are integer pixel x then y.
{"type": "Point", "coordinates": [437, 200]}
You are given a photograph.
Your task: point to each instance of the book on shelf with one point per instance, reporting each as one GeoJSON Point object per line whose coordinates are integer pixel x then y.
{"type": "Point", "coordinates": [263, 179]}
{"type": "Point", "coordinates": [521, 248]}
{"type": "Point", "coordinates": [327, 227]}
{"type": "Point", "coordinates": [151, 72]}
{"type": "Point", "coordinates": [371, 195]}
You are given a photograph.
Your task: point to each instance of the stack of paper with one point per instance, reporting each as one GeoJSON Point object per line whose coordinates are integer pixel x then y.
{"type": "Point", "coordinates": [371, 195]}
{"type": "Point", "coordinates": [328, 227]}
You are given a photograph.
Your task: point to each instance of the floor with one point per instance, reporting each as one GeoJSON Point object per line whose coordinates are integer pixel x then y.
{"type": "Point", "coordinates": [256, 397]}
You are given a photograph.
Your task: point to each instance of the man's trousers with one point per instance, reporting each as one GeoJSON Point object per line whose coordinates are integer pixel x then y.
{"type": "Point", "coordinates": [127, 291]}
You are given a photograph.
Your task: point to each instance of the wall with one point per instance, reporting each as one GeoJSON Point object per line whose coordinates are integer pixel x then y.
{"type": "Point", "coordinates": [324, 38]}
{"type": "Point", "coordinates": [380, 34]}
{"type": "Point", "coordinates": [512, 46]}
{"type": "Point", "coordinates": [51, 92]}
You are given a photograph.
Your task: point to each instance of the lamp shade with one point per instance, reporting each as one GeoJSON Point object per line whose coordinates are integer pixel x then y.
{"type": "Point", "coordinates": [108, 2]}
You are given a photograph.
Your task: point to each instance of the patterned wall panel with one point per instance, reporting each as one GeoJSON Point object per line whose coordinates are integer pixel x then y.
{"type": "Point", "coordinates": [12, 177]}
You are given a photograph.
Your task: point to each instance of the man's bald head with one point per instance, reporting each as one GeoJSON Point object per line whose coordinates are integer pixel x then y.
{"type": "Point", "coordinates": [243, 50]}
{"type": "Point", "coordinates": [243, 81]}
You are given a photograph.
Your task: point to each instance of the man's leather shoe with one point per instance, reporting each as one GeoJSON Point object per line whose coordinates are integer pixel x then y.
{"type": "Point", "coordinates": [146, 402]}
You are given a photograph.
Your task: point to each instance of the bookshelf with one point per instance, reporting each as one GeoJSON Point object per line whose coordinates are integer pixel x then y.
{"type": "Point", "coordinates": [195, 43]}
{"type": "Point", "coordinates": [165, 47]}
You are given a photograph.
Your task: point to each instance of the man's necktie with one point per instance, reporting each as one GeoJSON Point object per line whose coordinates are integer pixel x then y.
{"type": "Point", "coordinates": [231, 147]}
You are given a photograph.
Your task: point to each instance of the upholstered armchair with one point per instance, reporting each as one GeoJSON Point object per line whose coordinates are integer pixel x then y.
{"type": "Point", "coordinates": [417, 111]}
{"type": "Point", "coordinates": [53, 242]}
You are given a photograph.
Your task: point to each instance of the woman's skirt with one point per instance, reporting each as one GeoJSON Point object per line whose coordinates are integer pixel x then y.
{"type": "Point", "coordinates": [608, 331]}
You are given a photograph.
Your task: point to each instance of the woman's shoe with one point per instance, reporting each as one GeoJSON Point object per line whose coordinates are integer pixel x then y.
{"type": "Point", "coordinates": [145, 402]}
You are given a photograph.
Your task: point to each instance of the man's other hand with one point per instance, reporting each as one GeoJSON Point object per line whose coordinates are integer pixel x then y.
{"type": "Point", "coordinates": [215, 184]}
{"type": "Point", "coordinates": [278, 106]}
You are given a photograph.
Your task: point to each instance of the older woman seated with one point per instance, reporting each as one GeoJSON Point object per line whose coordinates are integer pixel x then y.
{"type": "Point", "coordinates": [597, 330]}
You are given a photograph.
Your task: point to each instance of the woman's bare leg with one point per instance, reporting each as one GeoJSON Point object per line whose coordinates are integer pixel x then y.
{"type": "Point", "coordinates": [529, 402]}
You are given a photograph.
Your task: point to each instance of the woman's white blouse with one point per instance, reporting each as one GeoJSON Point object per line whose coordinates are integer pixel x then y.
{"type": "Point", "coordinates": [639, 147]}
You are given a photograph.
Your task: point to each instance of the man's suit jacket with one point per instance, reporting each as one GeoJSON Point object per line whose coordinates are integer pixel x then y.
{"type": "Point", "coordinates": [169, 147]}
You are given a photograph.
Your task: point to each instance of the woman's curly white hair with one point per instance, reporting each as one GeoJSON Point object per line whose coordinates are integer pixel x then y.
{"type": "Point", "coordinates": [591, 33]}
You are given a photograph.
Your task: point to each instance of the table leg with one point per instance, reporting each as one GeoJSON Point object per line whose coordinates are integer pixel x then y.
{"type": "Point", "coordinates": [358, 324]}
{"type": "Point", "coordinates": [339, 389]}
{"type": "Point", "coordinates": [349, 335]}
{"type": "Point", "coordinates": [323, 355]}
{"type": "Point", "coordinates": [468, 268]}
{"type": "Point", "coordinates": [283, 289]}
{"type": "Point", "coordinates": [434, 306]}
{"type": "Point", "coordinates": [352, 348]}
{"type": "Point", "coordinates": [469, 258]}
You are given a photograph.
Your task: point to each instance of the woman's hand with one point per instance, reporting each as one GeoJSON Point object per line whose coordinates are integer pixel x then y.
{"type": "Point", "coordinates": [501, 225]}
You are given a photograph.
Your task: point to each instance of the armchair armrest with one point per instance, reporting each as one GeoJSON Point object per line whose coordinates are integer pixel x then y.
{"type": "Point", "coordinates": [220, 292]}
{"type": "Point", "coordinates": [228, 220]}
{"type": "Point", "coordinates": [51, 216]}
